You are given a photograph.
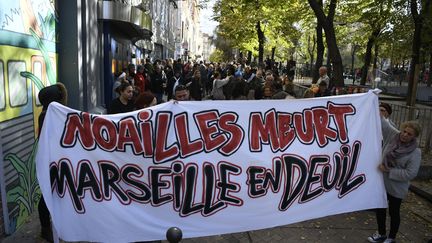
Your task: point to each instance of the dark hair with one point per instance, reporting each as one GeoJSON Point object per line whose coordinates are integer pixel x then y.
{"type": "Point", "coordinates": [56, 92]}
{"type": "Point", "coordinates": [123, 86]}
{"type": "Point", "coordinates": [387, 107]}
{"type": "Point", "coordinates": [216, 74]}
{"type": "Point", "coordinates": [140, 68]}
{"type": "Point", "coordinates": [144, 100]}
{"type": "Point", "coordinates": [131, 65]}
{"type": "Point", "coordinates": [231, 70]}
{"type": "Point", "coordinates": [277, 86]}
{"type": "Point", "coordinates": [180, 87]}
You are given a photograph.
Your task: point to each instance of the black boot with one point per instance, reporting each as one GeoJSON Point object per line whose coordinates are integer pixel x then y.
{"type": "Point", "coordinates": [47, 234]}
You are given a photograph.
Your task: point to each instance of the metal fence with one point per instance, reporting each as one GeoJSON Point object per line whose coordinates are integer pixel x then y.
{"type": "Point", "coordinates": [423, 115]}
{"type": "Point", "coordinates": [299, 90]}
{"type": "Point", "coordinates": [400, 114]}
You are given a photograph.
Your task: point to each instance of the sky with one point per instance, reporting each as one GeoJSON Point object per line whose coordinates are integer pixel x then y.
{"type": "Point", "coordinates": [208, 25]}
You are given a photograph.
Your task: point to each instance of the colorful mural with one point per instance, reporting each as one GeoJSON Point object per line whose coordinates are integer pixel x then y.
{"type": "Point", "coordinates": [27, 64]}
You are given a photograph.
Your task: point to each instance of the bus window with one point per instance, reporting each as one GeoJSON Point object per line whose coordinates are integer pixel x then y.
{"type": "Point", "coordinates": [2, 88]}
{"type": "Point", "coordinates": [17, 83]}
{"type": "Point", "coordinates": [37, 71]}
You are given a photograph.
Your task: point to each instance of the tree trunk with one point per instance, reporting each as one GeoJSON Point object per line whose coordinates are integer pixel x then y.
{"type": "Point", "coordinates": [320, 49]}
{"type": "Point", "coordinates": [429, 81]}
{"type": "Point", "coordinates": [368, 55]}
{"type": "Point", "coordinates": [353, 73]}
{"type": "Point", "coordinates": [311, 57]}
{"type": "Point", "coordinates": [375, 63]}
{"type": "Point", "coordinates": [335, 58]}
{"type": "Point", "coordinates": [415, 58]}
{"type": "Point", "coordinates": [273, 54]}
{"type": "Point", "coordinates": [327, 24]}
{"type": "Point", "coordinates": [311, 51]}
{"type": "Point", "coordinates": [261, 39]}
{"type": "Point", "coordinates": [249, 57]}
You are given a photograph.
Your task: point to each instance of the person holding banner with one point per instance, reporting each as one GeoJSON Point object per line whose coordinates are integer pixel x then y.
{"type": "Point", "coordinates": [181, 93]}
{"type": "Point", "coordinates": [124, 102]}
{"type": "Point", "coordinates": [386, 111]}
{"type": "Point", "coordinates": [400, 163]}
{"type": "Point", "coordinates": [57, 93]}
{"type": "Point", "coordinates": [145, 100]}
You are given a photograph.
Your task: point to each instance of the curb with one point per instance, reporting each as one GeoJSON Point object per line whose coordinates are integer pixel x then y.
{"type": "Point", "coordinates": [424, 172]}
{"type": "Point", "coordinates": [421, 193]}
{"type": "Point", "coordinates": [394, 98]}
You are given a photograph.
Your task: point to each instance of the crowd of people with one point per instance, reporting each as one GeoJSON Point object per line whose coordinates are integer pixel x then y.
{"type": "Point", "coordinates": [212, 81]}
{"type": "Point", "coordinates": [151, 83]}
{"type": "Point", "coordinates": [201, 81]}
{"type": "Point", "coordinates": [197, 81]}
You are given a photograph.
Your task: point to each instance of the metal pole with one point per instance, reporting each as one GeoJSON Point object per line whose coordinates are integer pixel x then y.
{"type": "Point", "coordinates": [352, 63]}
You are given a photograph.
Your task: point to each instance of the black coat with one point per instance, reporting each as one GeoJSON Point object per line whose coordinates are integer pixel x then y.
{"type": "Point", "coordinates": [196, 89]}
{"type": "Point", "coordinates": [118, 107]}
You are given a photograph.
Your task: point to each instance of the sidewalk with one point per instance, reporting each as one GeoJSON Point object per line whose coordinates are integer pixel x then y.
{"type": "Point", "coordinates": [416, 226]}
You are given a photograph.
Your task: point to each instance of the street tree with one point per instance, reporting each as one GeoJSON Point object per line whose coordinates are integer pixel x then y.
{"type": "Point", "coordinates": [258, 25]}
{"type": "Point", "coordinates": [373, 17]}
{"type": "Point", "coordinates": [419, 10]}
{"type": "Point", "coordinates": [328, 26]}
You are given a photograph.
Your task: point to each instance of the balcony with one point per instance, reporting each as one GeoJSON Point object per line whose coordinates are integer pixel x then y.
{"type": "Point", "coordinates": [126, 20]}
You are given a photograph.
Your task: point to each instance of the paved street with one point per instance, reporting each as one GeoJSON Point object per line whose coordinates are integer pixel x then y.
{"type": "Point", "coordinates": [416, 226]}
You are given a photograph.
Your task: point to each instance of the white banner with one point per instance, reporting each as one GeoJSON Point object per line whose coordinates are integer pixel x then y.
{"type": "Point", "coordinates": [209, 167]}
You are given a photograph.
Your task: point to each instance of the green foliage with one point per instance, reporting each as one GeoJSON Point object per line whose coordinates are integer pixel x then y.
{"type": "Point", "coordinates": [26, 194]}
{"type": "Point", "coordinates": [217, 56]}
{"type": "Point", "coordinates": [48, 26]}
{"type": "Point", "coordinates": [290, 25]}
{"type": "Point", "coordinates": [33, 78]}
{"type": "Point", "coordinates": [49, 68]}
{"type": "Point", "coordinates": [238, 21]}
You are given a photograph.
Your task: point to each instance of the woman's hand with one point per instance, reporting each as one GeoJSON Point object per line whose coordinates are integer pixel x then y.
{"type": "Point", "coordinates": [383, 168]}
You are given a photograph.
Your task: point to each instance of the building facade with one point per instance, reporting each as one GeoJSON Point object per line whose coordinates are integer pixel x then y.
{"type": "Point", "coordinates": [83, 44]}
{"type": "Point", "coordinates": [208, 46]}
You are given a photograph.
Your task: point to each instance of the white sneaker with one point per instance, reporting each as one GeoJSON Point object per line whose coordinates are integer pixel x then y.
{"type": "Point", "coordinates": [389, 240]}
{"type": "Point", "coordinates": [377, 238]}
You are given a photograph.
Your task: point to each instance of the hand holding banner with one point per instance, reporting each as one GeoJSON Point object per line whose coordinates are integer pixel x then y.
{"type": "Point", "coordinates": [241, 165]}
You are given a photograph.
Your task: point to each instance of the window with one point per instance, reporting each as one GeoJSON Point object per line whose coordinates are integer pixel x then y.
{"type": "Point", "coordinates": [114, 66]}
{"type": "Point", "coordinates": [37, 71]}
{"type": "Point", "coordinates": [2, 88]}
{"type": "Point", "coordinates": [17, 84]}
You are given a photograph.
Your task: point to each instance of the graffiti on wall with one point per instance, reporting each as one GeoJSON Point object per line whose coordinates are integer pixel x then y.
{"type": "Point", "coordinates": [27, 64]}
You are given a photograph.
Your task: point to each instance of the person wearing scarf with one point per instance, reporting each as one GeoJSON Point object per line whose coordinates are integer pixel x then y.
{"type": "Point", "coordinates": [400, 163]}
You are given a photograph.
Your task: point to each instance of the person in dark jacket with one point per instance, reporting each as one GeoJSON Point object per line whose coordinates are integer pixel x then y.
{"type": "Point", "coordinates": [177, 79]}
{"type": "Point", "coordinates": [158, 83]}
{"type": "Point", "coordinates": [229, 87]}
{"type": "Point", "coordinates": [196, 87]}
{"type": "Point", "coordinates": [57, 93]}
{"type": "Point", "coordinates": [124, 102]}
{"type": "Point", "coordinates": [323, 90]}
